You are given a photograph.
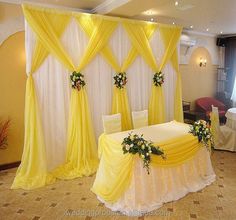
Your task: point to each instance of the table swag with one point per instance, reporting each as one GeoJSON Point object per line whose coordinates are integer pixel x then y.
{"type": "Point", "coordinates": [116, 169]}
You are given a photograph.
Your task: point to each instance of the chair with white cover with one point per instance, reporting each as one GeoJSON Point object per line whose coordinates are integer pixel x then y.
{"type": "Point", "coordinates": [140, 118]}
{"type": "Point", "coordinates": [224, 137]}
{"type": "Point", "coordinates": [111, 123]}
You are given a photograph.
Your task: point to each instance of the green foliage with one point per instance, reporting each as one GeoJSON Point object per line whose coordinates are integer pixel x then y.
{"type": "Point", "coordinates": [120, 80]}
{"type": "Point", "coordinates": [136, 144]}
{"type": "Point", "coordinates": [202, 130]}
{"type": "Point", "coordinates": [77, 80]}
{"type": "Point", "coordinates": [158, 79]}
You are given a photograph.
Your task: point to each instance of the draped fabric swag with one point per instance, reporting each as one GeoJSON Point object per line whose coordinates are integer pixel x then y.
{"type": "Point", "coordinates": [140, 40]}
{"type": "Point", "coordinates": [171, 38]}
{"type": "Point", "coordinates": [48, 26]}
{"type": "Point", "coordinates": [118, 174]}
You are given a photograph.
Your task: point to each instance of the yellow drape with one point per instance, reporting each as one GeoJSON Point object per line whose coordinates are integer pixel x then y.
{"type": "Point", "coordinates": [120, 102]}
{"type": "Point", "coordinates": [81, 155]}
{"type": "Point", "coordinates": [32, 172]}
{"type": "Point", "coordinates": [81, 158]}
{"type": "Point", "coordinates": [43, 23]}
{"type": "Point", "coordinates": [118, 167]}
{"type": "Point", "coordinates": [139, 39]}
{"type": "Point", "coordinates": [120, 99]}
{"type": "Point", "coordinates": [171, 37]}
{"type": "Point", "coordinates": [81, 137]}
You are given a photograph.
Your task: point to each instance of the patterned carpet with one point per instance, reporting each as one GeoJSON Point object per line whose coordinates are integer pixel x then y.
{"type": "Point", "coordinates": [74, 200]}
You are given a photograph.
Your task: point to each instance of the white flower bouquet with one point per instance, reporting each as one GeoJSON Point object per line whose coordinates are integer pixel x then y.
{"type": "Point", "coordinates": [77, 80]}
{"type": "Point", "coordinates": [136, 144]}
{"type": "Point", "coordinates": [158, 79]}
{"type": "Point", "coordinates": [120, 80]}
{"type": "Point", "coordinates": [202, 130]}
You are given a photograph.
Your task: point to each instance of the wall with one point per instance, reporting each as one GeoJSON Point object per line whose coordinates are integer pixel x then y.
{"type": "Point", "coordinates": [11, 20]}
{"type": "Point", "coordinates": [199, 81]}
{"type": "Point", "coordinates": [12, 92]}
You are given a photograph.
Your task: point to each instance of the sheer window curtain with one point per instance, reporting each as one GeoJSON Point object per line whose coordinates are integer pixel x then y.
{"type": "Point", "coordinates": [53, 85]}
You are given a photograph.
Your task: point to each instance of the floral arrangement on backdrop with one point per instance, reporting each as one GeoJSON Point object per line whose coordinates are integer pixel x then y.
{"type": "Point", "coordinates": [136, 144]}
{"type": "Point", "coordinates": [4, 128]}
{"type": "Point", "coordinates": [120, 80]}
{"type": "Point", "coordinates": [202, 130]}
{"type": "Point", "coordinates": [158, 79]}
{"type": "Point", "coordinates": [77, 80]}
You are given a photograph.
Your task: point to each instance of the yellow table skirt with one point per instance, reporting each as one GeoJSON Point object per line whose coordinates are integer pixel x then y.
{"type": "Point", "coordinates": [115, 169]}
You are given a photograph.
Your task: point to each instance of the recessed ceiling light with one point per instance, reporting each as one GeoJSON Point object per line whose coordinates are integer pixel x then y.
{"type": "Point", "coordinates": [207, 29]}
{"type": "Point", "coordinates": [152, 19]}
{"type": "Point", "coordinates": [176, 3]}
{"type": "Point", "coordinates": [191, 26]}
{"type": "Point", "coordinates": [173, 22]}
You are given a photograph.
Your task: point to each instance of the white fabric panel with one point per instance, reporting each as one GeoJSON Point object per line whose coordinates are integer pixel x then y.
{"type": "Point", "coordinates": [29, 47]}
{"type": "Point", "coordinates": [53, 85]}
{"type": "Point", "coordinates": [53, 91]}
{"type": "Point", "coordinates": [139, 84]}
{"type": "Point", "coordinates": [148, 192]}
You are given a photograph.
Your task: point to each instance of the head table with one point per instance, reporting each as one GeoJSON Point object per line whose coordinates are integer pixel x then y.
{"type": "Point", "coordinates": [122, 183]}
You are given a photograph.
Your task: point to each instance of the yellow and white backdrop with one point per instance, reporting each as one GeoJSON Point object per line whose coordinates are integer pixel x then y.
{"type": "Point", "coordinates": [62, 124]}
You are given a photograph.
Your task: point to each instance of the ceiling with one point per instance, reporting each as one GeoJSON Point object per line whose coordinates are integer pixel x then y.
{"type": "Point", "coordinates": [209, 16]}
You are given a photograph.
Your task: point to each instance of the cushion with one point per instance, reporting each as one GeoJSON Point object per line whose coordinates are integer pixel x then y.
{"type": "Point", "coordinates": [204, 104]}
{"type": "Point", "coordinates": [140, 119]}
{"type": "Point", "coordinates": [111, 123]}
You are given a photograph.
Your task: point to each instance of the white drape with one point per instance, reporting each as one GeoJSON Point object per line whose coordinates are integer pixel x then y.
{"type": "Point", "coordinates": [53, 85]}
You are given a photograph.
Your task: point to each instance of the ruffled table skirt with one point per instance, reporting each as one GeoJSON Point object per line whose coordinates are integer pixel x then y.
{"type": "Point", "coordinates": [148, 192]}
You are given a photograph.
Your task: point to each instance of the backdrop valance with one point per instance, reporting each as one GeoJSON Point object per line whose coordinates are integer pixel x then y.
{"type": "Point", "coordinates": [59, 47]}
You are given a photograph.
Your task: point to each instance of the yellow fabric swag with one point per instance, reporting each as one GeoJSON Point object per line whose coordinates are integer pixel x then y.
{"type": "Point", "coordinates": [117, 167]}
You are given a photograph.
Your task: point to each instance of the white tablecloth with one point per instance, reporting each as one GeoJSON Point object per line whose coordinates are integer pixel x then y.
{"type": "Point", "coordinates": [149, 192]}
{"type": "Point", "coordinates": [231, 118]}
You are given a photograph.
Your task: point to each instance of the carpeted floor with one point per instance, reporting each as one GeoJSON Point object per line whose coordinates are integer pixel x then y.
{"type": "Point", "coordinates": [74, 200]}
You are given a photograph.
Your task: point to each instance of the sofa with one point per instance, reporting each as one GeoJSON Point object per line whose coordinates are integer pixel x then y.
{"type": "Point", "coordinates": [204, 105]}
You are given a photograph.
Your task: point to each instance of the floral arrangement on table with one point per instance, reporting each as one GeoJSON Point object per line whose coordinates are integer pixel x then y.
{"type": "Point", "coordinates": [4, 127]}
{"type": "Point", "coordinates": [136, 144]}
{"type": "Point", "coordinates": [158, 79]}
{"type": "Point", "coordinates": [202, 130]}
{"type": "Point", "coordinates": [77, 80]}
{"type": "Point", "coordinates": [120, 80]}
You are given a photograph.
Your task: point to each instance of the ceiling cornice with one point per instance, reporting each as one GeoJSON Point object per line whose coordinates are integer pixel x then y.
{"type": "Point", "coordinates": [103, 8]}
{"type": "Point", "coordinates": [19, 2]}
{"type": "Point", "coordinates": [108, 6]}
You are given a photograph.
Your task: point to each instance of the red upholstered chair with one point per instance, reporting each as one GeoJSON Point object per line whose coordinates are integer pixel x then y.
{"type": "Point", "coordinates": [204, 105]}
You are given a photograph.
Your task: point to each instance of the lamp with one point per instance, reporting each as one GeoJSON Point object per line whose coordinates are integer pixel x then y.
{"type": "Point", "coordinates": [202, 62]}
